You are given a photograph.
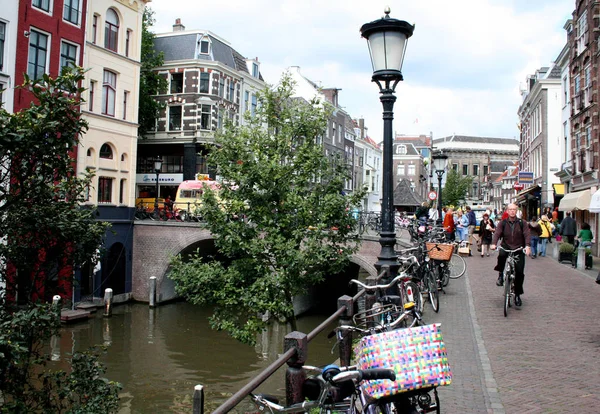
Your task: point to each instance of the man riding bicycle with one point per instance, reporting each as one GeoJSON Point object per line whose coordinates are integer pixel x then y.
{"type": "Point", "coordinates": [514, 233]}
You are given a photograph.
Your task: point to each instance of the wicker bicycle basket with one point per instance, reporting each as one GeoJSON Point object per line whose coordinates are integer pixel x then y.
{"type": "Point", "coordinates": [439, 251]}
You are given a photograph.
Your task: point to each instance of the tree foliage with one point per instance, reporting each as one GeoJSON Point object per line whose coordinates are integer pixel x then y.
{"type": "Point", "coordinates": [455, 188]}
{"type": "Point", "coordinates": [281, 217]}
{"type": "Point", "coordinates": [150, 81]}
{"type": "Point", "coordinates": [44, 229]}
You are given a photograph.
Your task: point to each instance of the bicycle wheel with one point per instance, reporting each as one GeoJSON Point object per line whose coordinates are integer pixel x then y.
{"type": "Point", "coordinates": [457, 266]}
{"type": "Point", "coordinates": [417, 296]}
{"type": "Point", "coordinates": [432, 288]}
{"type": "Point", "coordinates": [507, 283]}
{"type": "Point", "coordinates": [445, 271]}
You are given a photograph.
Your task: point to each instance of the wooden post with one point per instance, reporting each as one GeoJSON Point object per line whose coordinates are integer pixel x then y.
{"type": "Point", "coordinates": [108, 296]}
{"type": "Point", "coordinates": [152, 300]}
{"type": "Point", "coordinates": [294, 374]}
{"type": "Point", "coordinates": [345, 343]}
{"type": "Point", "coordinates": [198, 400]}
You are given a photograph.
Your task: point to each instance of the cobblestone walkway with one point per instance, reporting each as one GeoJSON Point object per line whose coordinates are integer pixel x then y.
{"type": "Point", "coordinates": [542, 358]}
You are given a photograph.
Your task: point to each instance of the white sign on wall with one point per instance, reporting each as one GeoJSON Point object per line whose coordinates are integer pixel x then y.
{"type": "Point", "coordinates": [162, 179]}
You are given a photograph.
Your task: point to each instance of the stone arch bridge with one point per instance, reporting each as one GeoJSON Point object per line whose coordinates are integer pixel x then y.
{"type": "Point", "coordinates": [154, 243]}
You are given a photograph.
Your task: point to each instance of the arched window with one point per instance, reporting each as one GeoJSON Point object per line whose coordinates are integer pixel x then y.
{"type": "Point", "coordinates": [111, 30]}
{"type": "Point", "coordinates": [106, 152]}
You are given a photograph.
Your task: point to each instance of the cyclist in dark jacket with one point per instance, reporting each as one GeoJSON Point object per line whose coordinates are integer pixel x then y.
{"type": "Point", "coordinates": [514, 233]}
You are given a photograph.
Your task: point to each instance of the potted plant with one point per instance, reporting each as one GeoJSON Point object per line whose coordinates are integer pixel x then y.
{"type": "Point", "coordinates": [565, 252]}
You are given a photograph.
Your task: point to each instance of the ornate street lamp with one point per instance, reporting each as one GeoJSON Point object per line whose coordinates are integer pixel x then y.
{"type": "Point", "coordinates": [387, 39]}
{"type": "Point", "coordinates": [440, 162]}
{"type": "Point", "coordinates": [157, 167]}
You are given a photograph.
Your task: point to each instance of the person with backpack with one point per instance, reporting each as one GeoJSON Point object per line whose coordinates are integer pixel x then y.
{"type": "Point", "coordinates": [535, 230]}
{"type": "Point", "coordinates": [545, 235]}
{"type": "Point", "coordinates": [514, 234]}
{"type": "Point", "coordinates": [568, 228]}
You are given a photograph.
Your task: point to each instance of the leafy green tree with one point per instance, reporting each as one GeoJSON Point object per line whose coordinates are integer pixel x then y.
{"type": "Point", "coordinates": [455, 188]}
{"type": "Point", "coordinates": [45, 231]}
{"type": "Point", "coordinates": [150, 81]}
{"type": "Point", "coordinates": [280, 219]}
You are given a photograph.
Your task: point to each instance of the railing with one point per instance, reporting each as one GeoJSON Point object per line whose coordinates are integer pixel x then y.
{"type": "Point", "coordinates": [295, 352]}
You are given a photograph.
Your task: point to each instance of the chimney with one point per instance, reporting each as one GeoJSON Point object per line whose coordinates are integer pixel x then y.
{"type": "Point", "coordinates": [178, 27]}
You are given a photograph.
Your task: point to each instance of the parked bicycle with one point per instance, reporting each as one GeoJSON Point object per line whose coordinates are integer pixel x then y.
{"type": "Point", "coordinates": [333, 389]}
{"type": "Point", "coordinates": [509, 277]}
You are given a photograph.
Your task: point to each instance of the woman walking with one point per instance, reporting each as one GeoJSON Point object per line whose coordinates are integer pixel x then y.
{"type": "Point", "coordinates": [535, 230]}
{"type": "Point", "coordinates": [546, 227]}
{"type": "Point", "coordinates": [486, 231]}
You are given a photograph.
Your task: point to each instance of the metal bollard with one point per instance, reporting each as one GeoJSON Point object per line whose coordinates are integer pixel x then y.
{"type": "Point", "coordinates": [198, 400]}
{"type": "Point", "coordinates": [56, 305]}
{"type": "Point", "coordinates": [294, 374]}
{"type": "Point", "coordinates": [108, 297]}
{"type": "Point", "coordinates": [152, 301]}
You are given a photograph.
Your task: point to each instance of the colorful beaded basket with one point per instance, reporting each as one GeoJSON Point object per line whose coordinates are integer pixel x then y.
{"type": "Point", "coordinates": [418, 355]}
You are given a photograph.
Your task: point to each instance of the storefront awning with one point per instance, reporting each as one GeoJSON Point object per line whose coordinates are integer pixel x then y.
{"type": "Point", "coordinates": [559, 189]}
{"type": "Point", "coordinates": [579, 200]}
{"type": "Point", "coordinates": [522, 196]}
{"type": "Point", "coordinates": [595, 203]}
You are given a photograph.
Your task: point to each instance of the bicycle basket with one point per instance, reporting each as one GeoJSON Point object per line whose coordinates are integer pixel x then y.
{"type": "Point", "coordinates": [417, 355]}
{"type": "Point", "coordinates": [439, 251]}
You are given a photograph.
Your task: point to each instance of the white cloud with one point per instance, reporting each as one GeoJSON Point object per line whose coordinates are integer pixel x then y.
{"type": "Point", "coordinates": [462, 69]}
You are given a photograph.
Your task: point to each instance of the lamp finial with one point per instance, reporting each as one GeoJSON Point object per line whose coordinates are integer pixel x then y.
{"type": "Point", "coordinates": [387, 12]}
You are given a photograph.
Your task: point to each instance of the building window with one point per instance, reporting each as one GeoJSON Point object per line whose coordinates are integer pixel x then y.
{"type": "Point", "coordinates": [465, 169]}
{"type": "Point", "coordinates": [176, 82]}
{"type": "Point", "coordinates": [205, 111]}
{"type": "Point", "coordinates": [220, 119]}
{"type": "Point", "coordinates": [127, 42]}
{"type": "Point", "coordinates": [92, 90]}
{"type": "Point", "coordinates": [254, 105]}
{"type": "Point", "coordinates": [109, 88]}
{"type": "Point", "coordinates": [486, 170]}
{"type": "Point", "coordinates": [125, 100]}
{"type": "Point", "coordinates": [255, 70]}
{"type": "Point", "coordinates": [68, 55]}
{"type": "Point", "coordinates": [106, 152]}
{"type": "Point", "coordinates": [104, 189]}
{"type": "Point", "coordinates": [455, 167]}
{"type": "Point", "coordinates": [246, 100]}
{"type": "Point", "coordinates": [2, 38]}
{"type": "Point", "coordinates": [475, 169]}
{"type": "Point", "coordinates": [122, 191]}
{"type": "Point", "coordinates": [38, 51]}
{"type": "Point", "coordinates": [94, 28]}
{"type": "Point", "coordinates": [111, 30]}
{"type": "Point", "coordinates": [401, 149]}
{"type": "Point", "coordinates": [175, 118]}
{"type": "Point", "coordinates": [222, 87]}
{"type": "Point", "coordinates": [411, 169]}
{"type": "Point", "coordinates": [231, 90]}
{"type": "Point", "coordinates": [204, 82]}
{"type": "Point", "coordinates": [42, 4]}
{"type": "Point", "coordinates": [400, 170]}
{"type": "Point", "coordinates": [71, 11]}
{"type": "Point", "coordinates": [204, 46]}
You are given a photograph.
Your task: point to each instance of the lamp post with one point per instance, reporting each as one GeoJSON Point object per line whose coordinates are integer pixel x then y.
{"type": "Point", "coordinates": [387, 39]}
{"type": "Point", "coordinates": [157, 168]}
{"type": "Point", "coordinates": [440, 161]}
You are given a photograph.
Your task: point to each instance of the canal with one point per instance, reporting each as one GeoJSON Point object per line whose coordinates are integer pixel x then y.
{"type": "Point", "coordinates": [160, 354]}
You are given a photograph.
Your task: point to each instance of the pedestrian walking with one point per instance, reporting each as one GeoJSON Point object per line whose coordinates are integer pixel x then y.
{"type": "Point", "coordinates": [486, 232]}
{"type": "Point", "coordinates": [449, 224]}
{"type": "Point", "coordinates": [471, 227]}
{"type": "Point", "coordinates": [568, 228]}
{"type": "Point", "coordinates": [535, 230]}
{"type": "Point", "coordinates": [545, 235]}
{"type": "Point", "coordinates": [514, 234]}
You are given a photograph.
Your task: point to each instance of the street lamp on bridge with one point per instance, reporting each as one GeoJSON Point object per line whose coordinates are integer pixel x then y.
{"type": "Point", "coordinates": [440, 162]}
{"type": "Point", "coordinates": [157, 167]}
{"type": "Point", "coordinates": [387, 39]}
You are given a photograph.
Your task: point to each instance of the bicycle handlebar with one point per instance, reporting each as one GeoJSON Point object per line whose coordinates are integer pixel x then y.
{"type": "Point", "coordinates": [375, 287]}
{"type": "Point", "coordinates": [510, 251]}
{"type": "Point", "coordinates": [365, 375]}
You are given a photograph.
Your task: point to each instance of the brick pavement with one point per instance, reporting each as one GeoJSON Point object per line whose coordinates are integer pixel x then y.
{"type": "Point", "coordinates": [542, 358]}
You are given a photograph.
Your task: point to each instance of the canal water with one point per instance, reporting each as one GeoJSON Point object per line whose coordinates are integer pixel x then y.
{"type": "Point", "coordinates": [160, 354]}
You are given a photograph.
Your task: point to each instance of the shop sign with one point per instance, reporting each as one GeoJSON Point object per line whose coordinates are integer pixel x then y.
{"type": "Point", "coordinates": [162, 178]}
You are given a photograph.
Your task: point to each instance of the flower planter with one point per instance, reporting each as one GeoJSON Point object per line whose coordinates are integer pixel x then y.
{"type": "Point", "coordinates": [565, 257]}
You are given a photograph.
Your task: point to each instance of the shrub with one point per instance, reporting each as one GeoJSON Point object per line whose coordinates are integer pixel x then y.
{"type": "Point", "coordinates": [566, 248]}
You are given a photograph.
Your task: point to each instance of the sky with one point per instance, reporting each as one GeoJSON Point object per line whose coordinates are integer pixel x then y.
{"type": "Point", "coordinates": [463, 68]}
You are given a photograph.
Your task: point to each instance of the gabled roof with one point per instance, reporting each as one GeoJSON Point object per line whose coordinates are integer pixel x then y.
{"type": "Point", "coordinates": [482, 140]}
{"type": "Point", "coordinates": [405, 196]}
{"type": "Point", "coordinates": [370, 141]}
{"type": "Point", "coordinates": [183, 46]}
{"type": "Point", "coordinates": [417, 140]}
{"type": "Point", "coordinates": [410, 149]}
